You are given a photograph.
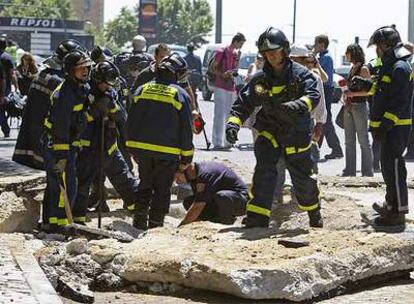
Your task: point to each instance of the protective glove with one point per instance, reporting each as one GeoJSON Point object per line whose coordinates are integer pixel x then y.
{"type": "Point", "coordinates": [360, 84]}
{"type": "Point", "coordinates": [60, 166]}
{"type": "Point", "coordinates": [231, 133]}
{"type": "Point", "coordinates": [294, 107]}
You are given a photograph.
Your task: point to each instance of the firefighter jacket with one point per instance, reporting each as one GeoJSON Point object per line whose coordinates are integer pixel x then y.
{"type": "Point", "coordinates": [67, 119]}
{"type": "Point", "coordinates": [159, 122]}
{"type": "Point", "coordinates": [295, 84]}
{"type": "Point", "coordinates": [392, 95]}
{"type": "Point", "coordinates": [103, 105]}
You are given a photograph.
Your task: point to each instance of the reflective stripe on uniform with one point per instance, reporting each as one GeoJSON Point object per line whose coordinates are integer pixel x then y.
{"type": "Point", "coordinates": [308, 102]}
{"type": "Point", "coordinates": [131, 207]}
{"type": "Point", "coordinates": [294, 150]}
{"type": "Point", "coordinates": [61, 194]}
{"type": "Point", "coordinates": [276, 90]}
{"type": "Point", "coordinates": [112, 148]}
{"type": "Point", "coordinates": [113, 110]}
{"type": "Point", "coordinates": [373, 89]}
{"type": "Point", "coordinates": [61, 147]}
{"type": "Point", "coordinates": [78, 107]}
{"type": "Point", "coordinates": [89, 117]}
{"type": "Point", "coordinates": [160, 98]}
{"type": "Point", "coordinates": [309, 208]}
{"type": "Point", "coordinates": [187, 152]}
{"type": "Point", "coordinates": [60, 222]}
{"type": "Point", "coordinates": [151, 147]}
{"type": "Point", "coordinates": [258, 210]}
{"type": "Point", "coordinates": [235, 120]}
{"type": "Point", "coordinates": [47, 123]}
{"type": "Point", "coordinates": [85, 143]}
{"type": "Point", "coordinates": [374, 124]}
{"type": "Point", "coordinates": [394, 118]}
{"type": "Point", "coordinates": [80, 219]}
{"type": "Point", "coordinates": [270, 137]}
{"type": "Point", "coordinates": [386, 79]}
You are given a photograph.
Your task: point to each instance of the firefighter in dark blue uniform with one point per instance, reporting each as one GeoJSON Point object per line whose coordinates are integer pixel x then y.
{"type": "Point", "coordinates": [28, 150]}
{"type": "Point", "coordinates": [287, 93]}
{"type": "Point", "coordinates": [390, 121]}
{"type": "Point", "coordinates": [61, 142]}
{"type": "Point", "coordinates": [160, 139]}
{"type": "Point", "coordinates": [103, 106]}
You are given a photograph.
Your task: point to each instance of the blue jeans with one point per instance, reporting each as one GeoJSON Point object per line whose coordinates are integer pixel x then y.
{"type": "Point", "coordinates": [356, 125]}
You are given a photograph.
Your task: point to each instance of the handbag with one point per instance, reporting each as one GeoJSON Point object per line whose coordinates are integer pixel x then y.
{"type": "Point", "coordinates": [340, 118]}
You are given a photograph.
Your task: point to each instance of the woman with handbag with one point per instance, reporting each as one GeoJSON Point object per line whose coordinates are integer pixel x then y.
{"type": "Point", "coordinates": [356, 116]}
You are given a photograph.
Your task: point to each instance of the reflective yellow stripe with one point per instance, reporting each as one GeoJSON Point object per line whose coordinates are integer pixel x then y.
{"type": "Point", "coordinates": [131, 207]}
{"type": "Point", "coordinates": [125, 92]}
{"type": "Point", "coordinates": [151, 147]}
{"type": "Point", "coordinates": [47, 123]}
{"type": "Point", "coordinates": [89, 117]}
{"type": "Point", "coordinates": [394, 118]}
{"type": "Point", "coordinates": [78, 107]}
{"type": "Point", "coordinates": [374, 124]}
{"type": "Point", "coordinates": [85, 143]}
{"type": "Point", "coordinates": [160, 98]}
{"type": "Point", "coordinates": [61, 195]}
{"type": "Point", "coordinates": [270, 137]}
{"type": "Point", "coordinates": [412, 76]}
{"type": "Point", "coordinates": [112, 148]}
{"type": "Point", "coordinates": [81, 219]}
{"type": "Point", "coordinates": [113, 110]}
{"type": "Point", "coordinates": [373, 89]}
{"type": "Point", "coordinates": [308, 102]}
{"type": "Point", "coordinates": [61, 147]}
{"type": "Point", "coordinates": [404, 122]}
{"type": "Point", "coordinates": [235, 120]}
{"type": "Point", "coordinates": [77, 143]}
{"type": "Point", "coordinates": [258, 210]}
{"type": "Point", "coordinates": [309, 208]}
{"type": "Point", "coordinates": [187, 153]}
{"type": "Point", "coordinates": [62, 222]}
{"type": "Point", "coordinates": [53, 220]}
{"type": "Point", "coordinates": [386, 79]}
{"type": "Point", "coordinates": [294, 150]}
{"type": "Point", "coordinates": [276, 90]}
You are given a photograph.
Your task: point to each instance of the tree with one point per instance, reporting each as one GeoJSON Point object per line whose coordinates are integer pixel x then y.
{"type": "Point", "coordinates": [123, 28]}
{"type": "Point", "coordinates": [54, 9]}
{"type": "Point", "coordinates": [182, 21]}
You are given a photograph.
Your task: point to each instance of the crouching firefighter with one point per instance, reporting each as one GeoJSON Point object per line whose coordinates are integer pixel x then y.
{"type": "Point", "coordinates": [391, 120]}
{"type": "Point", "coordinates": [103, 109]}
{"type": "Point", "coordinates": [287, 93]}
{"type": "Point", "coordinates": [160, 139]}
{"type": "Point", "coordinates": [61, 142]}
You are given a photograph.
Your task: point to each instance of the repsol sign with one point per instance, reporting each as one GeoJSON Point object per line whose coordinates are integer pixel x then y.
{"type": "Point", "coordinates": [40, 23]}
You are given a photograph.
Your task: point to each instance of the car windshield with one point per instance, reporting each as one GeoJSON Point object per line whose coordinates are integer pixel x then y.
{"type": "Point", "coordinates": [246, 61]}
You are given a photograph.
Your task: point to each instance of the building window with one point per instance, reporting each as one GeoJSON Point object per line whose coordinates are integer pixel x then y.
{"type": "Point", "coordinates": [87, 5]}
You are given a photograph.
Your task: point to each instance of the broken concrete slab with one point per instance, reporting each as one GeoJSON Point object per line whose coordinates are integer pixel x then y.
{"type": "Point", "coordinates": [250, 263]}
{"type": "Point", "coordinates": [17, 214]}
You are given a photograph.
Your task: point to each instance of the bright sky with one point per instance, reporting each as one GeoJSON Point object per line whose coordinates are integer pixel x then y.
{"type": "Point", "coordinates": [340, 20]}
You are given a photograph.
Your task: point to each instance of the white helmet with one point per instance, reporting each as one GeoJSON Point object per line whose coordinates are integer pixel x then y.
{"type": "Point", "coordinates": [139, 43]}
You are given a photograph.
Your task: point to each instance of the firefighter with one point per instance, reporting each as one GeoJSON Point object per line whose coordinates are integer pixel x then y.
{"type": "Point", "coordinates": [390, 121]}
{"type": "Point", "coordinates": [61, 141]}
{"type": "Point", "coordinates": [160, 138]}
{"type": "Point", "coordinates": [28, 150]}
{"type": "Point", "coordinates": [103, 106]}
{"type": "Point", "coordinates": [287, 93]}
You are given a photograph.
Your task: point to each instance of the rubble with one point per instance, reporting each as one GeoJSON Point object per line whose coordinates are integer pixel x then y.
{"type": "Point", "coordinates": [77, 246]}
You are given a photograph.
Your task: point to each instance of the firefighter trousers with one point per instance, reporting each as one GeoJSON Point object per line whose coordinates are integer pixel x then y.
{"type": "Point", "coordinates": [394, 170]}
{"type": "Point", "coordinates": [53, 200]}
{"type": "Point", "coordinates": [156, 178]}
{"type": "Point", "coordinates": [299, 164]}
{"type": "Point", "coordinates": [117, 171]}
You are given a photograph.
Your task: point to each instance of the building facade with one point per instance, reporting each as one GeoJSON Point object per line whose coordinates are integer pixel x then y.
{"type": "Point", "coordinates": [90, 10]}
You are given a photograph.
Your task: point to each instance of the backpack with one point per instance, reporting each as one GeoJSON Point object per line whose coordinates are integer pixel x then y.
{"type": "Point", "coordinates": [211, 73]}
{"type": "Point", "coordinates": [122, 62]}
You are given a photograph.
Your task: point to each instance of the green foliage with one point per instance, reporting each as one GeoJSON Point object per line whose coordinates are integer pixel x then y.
{"type": "Point", "coordinates": [121, 29]}
{"type": "Point", "coordinates": [54, 9]}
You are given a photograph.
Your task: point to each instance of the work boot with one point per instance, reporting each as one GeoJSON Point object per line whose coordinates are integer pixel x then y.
{"type": "Point", "coordinates": [156, 219]}
{"type": "Point", "coordinates": [382, 210]}
{"type": "Point", "coordinates": [315, 219]}
{"type": "Point", "coordinates": [253, 221]}
{"type": "Point", "coordinates": [334, 155]}
{"type": "Point", "coordinates": [392, 219]}
{"type": "Point", "coordinates": [141, 218]}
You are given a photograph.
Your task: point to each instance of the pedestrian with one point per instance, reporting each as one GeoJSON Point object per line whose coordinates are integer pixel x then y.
{"type": "Point", "coordinates": [103, 107]}
{"type": "Point", "coordinates": [224, 67]}
{"type": "Point", "coordinates": [194, 66]}
{"type": "Point", "coordinates": [10, 79]}
{"type": "Point", "coordinates": [219, 194]}
{"type": "Point", "coordinates": [26, 71]}
{"type": "Point", "coordinates": [160, 139]}
{"type": "Point", "coordinates": [61, 142]}
{"type": "Point", "coordinates": [391, 119]}
{"type": "Point", "coordinates": [321, 49]}
{"type": "Point", "coordinates": [28, 150]}
{"type": "Point", "coordinates": [356, 116]}
{"type": "Point", "coordinates": [287, 92]}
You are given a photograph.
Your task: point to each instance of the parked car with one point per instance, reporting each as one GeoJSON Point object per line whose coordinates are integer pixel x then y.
{"type": "Point", "coordinates": [246, 59]}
